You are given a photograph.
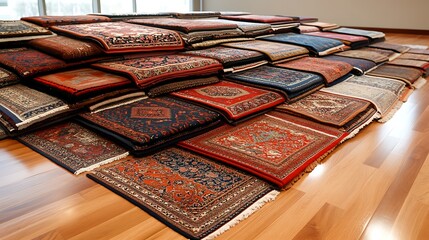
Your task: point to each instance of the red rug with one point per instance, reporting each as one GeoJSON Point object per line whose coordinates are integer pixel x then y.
{"type": "Point", "coordinates": [194, 196]}
{"type": "Point", "coordinates": [234, 100]}
{"type": "Point", "coordinates": [330, 70]}
{"type": "Point", "coordinates": [276, 147]}
{"type": "Point", "coordinates": [28, 62]}
{"type": "Point", "coordinates": [82, 82]}
{"type": "Point", "coordinates": [148, 71]}
{"type": "Point", "coordinates": [120, 37]}
{"type": "Point", "coordinates": [73, 147]}
{"type": "Point", "coordinates": [67, 48]}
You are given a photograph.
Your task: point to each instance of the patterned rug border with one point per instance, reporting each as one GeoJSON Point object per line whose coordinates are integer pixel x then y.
{"type": "Point", "coordinates": [75, 172]}
{"type": "Point", "coordinates": [260, 201]}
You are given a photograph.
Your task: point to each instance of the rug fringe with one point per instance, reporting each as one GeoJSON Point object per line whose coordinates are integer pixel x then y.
{"type": "Point", "coordinates": [94, 166]}
{"type": "Point", "coordinates": [415, 46]}
{"type": "Point", "coordinates": [391, 113]}
{"type": "Point", "coordinates": [245, 214]}
{"type": "Point", "coordinates": [118, 104]}
{"type": "Point", "coordinates": [353, 133]}
{"type": "Point", "coordinates": [38, 118]}
{"type": "Point", "coordinates": [419, 83]}
{"type": "Point", "coordinates": [405, 94]}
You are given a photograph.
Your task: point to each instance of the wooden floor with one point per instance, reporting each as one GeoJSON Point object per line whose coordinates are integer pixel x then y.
{"type": "Point", "coordinates": [374, 186]}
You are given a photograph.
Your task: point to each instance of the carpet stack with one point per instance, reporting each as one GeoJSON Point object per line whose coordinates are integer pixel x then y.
{"type": "Point", "coordinates": [198, 118]}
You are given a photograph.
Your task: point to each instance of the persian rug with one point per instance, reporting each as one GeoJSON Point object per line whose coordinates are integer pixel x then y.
{"type": "Point", "coordinates": [169, 87]}
{"type": "Point", "coordinates": [319, 46]}
{"type": "Point", "coordinates": [191, 194]}
{"type": "Point", "coordinates": [328, 108]}
{"type": "Point", "coordinates": [390, 54]}
{"type": "Point", "coordinates": [73, 147]}
{"type": "Point", "coordinates": [276, 52]}
{"type": "Point", "coordinates": [250, 29]}
{"type": "Point", "coordinates": [384, 100]}
{"type": "Point", "coordinates": [82, 83]}
{"type": "Point", "coordinates": [349, 40]}
{"type": "Point", "coordinates": [414, 56]}
{"type": "Point", "coordinates": [185, 25]}
{"type": "Point", "coordinates": [408, 75]}
{"type": "Point", "coordinates": [7, 78]}
{"type": "Point", "coordinates": [392, 85]}
{"type": "Point", "coordinates": [373, 35]}
{"type": "Point", "coordinates": [215, 42]}
{"type": "Point", "coordinates": [276, 147]}
{"type": "Point", "coordinates": [235, 101]}
{"type": "Point", "coordinates": [205, 36]}
{"type": "Point", "coordinates": [147, 71]}
{"type": "Point", "coordinates": [390, 46]}
{"type": "Point", "coordinates": [292, 84]}
{"type": "Point", "coordinates": [17, 28]}
{"type": "Point", "coordinates": [17, 33]}
{"type": "Point", "coordinates": [150, 124]}
{"type": "Point", "coordinates": [422, 65]}
{"type": "Point", "coordinates": [27, 62]}
{"type": "Point", "coordinates": [121, 37]}
{"type": "Point", "coordinates": [419, 51]}
{"type": "Point", "coordinates": [360, 66]}
{"type": "Point", "coordinates": [66, 48]}
{"type": "Point", "coordinates": [332, 71]}
{"type": "Point", "coordinates": [229, 57]}
{"type": "Point", "coordinates": [323, 26]}
{"type": "Point", "coordinates": [260, 18]}
{"type": "Point", "coordinates": [48, 21]}
{"type": "Point", "coordinates": [376, 57]}
{"type": "Point", "coordinates": [24, 106]}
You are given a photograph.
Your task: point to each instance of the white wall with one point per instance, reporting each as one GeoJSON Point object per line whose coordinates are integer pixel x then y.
{"type": "Point", "coordinates": [398, 14]}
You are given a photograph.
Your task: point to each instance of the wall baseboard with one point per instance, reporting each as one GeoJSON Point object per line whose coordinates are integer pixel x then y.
{"type": "Point", "coordinates": [395, 30]}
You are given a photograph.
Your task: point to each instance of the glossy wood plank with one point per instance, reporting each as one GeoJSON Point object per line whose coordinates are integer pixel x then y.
{"type": "Point", "coordinates": [381, 152]}
{"type": "Point", "coordinates": [317, 227]}
{"type": "Point", "coordinates": [395, 196]}
{"type": "Point", "coordinates": [373, 186]}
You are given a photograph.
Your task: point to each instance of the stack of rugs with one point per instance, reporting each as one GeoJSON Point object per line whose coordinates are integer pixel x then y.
{"type": "Point", "coordinates": [197, 118]}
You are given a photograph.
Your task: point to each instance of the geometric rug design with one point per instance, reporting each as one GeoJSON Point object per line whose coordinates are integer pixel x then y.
{"type": "Point", "coordinates": [235, 100]}
{"type": "Point", "coordinates": [276, 146]}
